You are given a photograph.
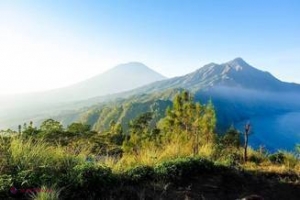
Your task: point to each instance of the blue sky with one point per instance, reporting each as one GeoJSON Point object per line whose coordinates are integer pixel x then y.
{"type": "Point", "coordinates": [49, 44]}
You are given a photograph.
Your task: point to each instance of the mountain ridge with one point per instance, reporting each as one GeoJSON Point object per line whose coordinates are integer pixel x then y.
{"type": "Point", "coordinates": [235, 73]}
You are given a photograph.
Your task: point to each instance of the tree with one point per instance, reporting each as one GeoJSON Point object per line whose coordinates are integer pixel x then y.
{"type": "Point", "coordinates": [20, 129]}
{"type": "Point", "coordinates": [116, 135]}
{"type": "Point", "coordinates": [51, 128]}
{"type": "Point", "coordinates": [246, 137]}
{"type": "Point", "coordinates": [231, 138]}
{"type": "Point", "coordinates": [189, 122]}
{"type": "Point", "coordinates": [78, 128]}
{"type": "Point", "coordinates": [140, 132]}
{"type": "Point", "coordinates": [30, 130]}
{"type": "Point", "coordinates": [140, 125]}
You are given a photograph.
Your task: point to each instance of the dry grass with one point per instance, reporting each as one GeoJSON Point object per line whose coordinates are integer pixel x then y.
{"type": "Point", "coordinates": [150, 155]}
{"type": "Point", "coordinates": [28, 154]}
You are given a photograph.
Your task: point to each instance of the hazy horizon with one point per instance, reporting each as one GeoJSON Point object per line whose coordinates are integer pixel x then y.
{"type": "Point", "coordinates": [54, 44]}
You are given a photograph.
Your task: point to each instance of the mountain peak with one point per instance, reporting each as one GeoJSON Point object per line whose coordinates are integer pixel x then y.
{"type": "Point", "coordinates": [136, 64]}
{"type": "Point", "coordinates": [132, 66]}
{"type": "Point", "coordinates": [238, 60]}
{"type": "Point", "coordinates": [238, 64]}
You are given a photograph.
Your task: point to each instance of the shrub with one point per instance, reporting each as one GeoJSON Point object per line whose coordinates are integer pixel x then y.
{"type": "Point", "coordinates": [91, 176]}
{"type": "Point", "coordinates": [37, 177]}
{"type": "Point", "coordinates": [140, 174]}
{"type": "Point", "coordinates": [256, 157]}
{"type": "Point", "coordinates": [181, 168]}
{"type": "Point", "coordinates": [277, 158]}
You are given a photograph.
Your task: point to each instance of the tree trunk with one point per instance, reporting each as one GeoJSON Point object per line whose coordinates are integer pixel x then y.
{"type": "Point", "coordinates": [247, 131]}
{"type": "Point", "coordinates": [246, 148]}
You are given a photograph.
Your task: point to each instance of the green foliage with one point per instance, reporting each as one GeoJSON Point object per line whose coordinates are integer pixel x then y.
{"type": "Point", "coordinates": [277, 158]}
{"type": "Point", "coordinates": [8, 133]}
{"type": "Point", "coordinates": [228, 147]}
{"type": "Point", "coordinates": [231, 138]}
{"type": "Point", "coordinates": [6, 181]}
{"type": "Point", "coordinates": [288, 159]}
{"type": "Point", "coordinates": [30, 131]}
{"type": "Point", "coordinates": [140, 125]}
{"type": "Point", "coordinates": [189, 122]}
{"type": "Point", "coordinates": [116, 135]}
{"type": "Point", "coordinates": [122, 111]}
{"type": "Point", "coordinates": [90, 176]}
{"type": "Point", "coordinates": [140, 133]}
{"type": "Point", "coordinates": [178, 169]}
{"type": "Point", "coordinates": [256, 157]}
{"type": "Point", "coordinates": [140, 174]}
{"type": "Point", "coordinates": [51, 128]}
{"type": "Point", "coordinates": [78, 128]}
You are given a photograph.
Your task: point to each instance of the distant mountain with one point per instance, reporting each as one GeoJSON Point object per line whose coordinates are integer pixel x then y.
{"type": "Point", "coordinates": [119, 79]}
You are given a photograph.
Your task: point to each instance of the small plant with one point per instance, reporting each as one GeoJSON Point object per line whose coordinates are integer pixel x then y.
{"type": "Point", "coordinates": [46, 194]}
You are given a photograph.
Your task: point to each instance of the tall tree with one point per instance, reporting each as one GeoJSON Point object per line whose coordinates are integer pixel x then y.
{"type": "Point", "coordinates": [20, 129]}
{"type": "Point", "coordinates": [140, 132]}
{"type": "Point", "coordinates": [189, 122]}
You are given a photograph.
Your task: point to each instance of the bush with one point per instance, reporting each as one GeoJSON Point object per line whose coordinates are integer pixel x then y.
{"type": "Point", "coordinates": [277, 158]}
{"type": "Point", "coordinates": [181, 168]}
{"type": "Point", "coordinates": [140, 174]}
{"type": "Point", "coordinates": [256, 157]}
{"type": "Point", "coordinates": [91, 176]}
{"type": "Point", "coordinates": [37, 177]}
